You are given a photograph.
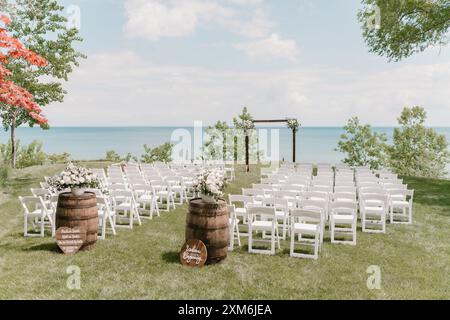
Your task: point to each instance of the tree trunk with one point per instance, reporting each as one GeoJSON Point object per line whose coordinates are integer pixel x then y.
{"type": "Point", "coordinates": [235, 149]}
{"type": "Point", "coordinates": [294, 133]}
{"type": "Point", "coordinates": [247, 158]}
{"type": "Point", "coordinates": [224, 147]}
{"type": "Point", "coordinates": [13, 142]}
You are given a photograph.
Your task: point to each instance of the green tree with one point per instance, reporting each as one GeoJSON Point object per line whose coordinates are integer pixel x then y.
{"type": "Point", "coordinates": [362, 146]}
{"type": "Point", "coordinates": [113, 156]}
{"type": "Point", "coordinates": [418, 150]}
{"type": "Point", "coordinates": [162, 153]}
{"type": "Point", "coordinates": [405, 26]}
{"type": "Point", "coordinates": [218, 140]}
{"type": "Point", "coordinates": [42, 27]}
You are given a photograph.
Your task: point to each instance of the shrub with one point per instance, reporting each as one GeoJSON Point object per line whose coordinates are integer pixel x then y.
{"type": "Point", "coordinates": [59, 158]}
{"type": "Point", "coordinates": [417, 150]}
{"type": "Point", "coordinates": [113, 156]}
{"type": "Point", "coordinates": [362, 146]}
{"type": "Point", "coordinates": [162, 153]}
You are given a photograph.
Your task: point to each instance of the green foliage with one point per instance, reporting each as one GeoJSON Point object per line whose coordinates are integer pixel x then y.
{"type": "Point", "coordinates": [27, 156]}
{"type": "Point", "coordinates": [417, 150]}
{"type": "Point", "coordinates": [406, 26]}
{"type": "Point", "coordinates": [42, 27]}
{"type": "Point", "coordinates": [58, 158]}
{"type": "Point", "coordinates": [362, 146]}
{"type": "Point", "coordinates": [4, 174]}
{"type": "Point", "coordinates": [4, 171]}
{"type": "Point", "coordinates": [240, 121]}
{"type": "Point", "coordinates": [162, 153]}
{"type": "Point", "coordinates": [113, 156]}
{"type": "Point", "coordinates": [220, 141]}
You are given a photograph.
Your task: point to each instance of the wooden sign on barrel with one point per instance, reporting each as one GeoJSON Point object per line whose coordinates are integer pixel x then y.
{"type": "Point", "coordinates": [70, 240]}
{"type": "Point", "coordinates": [193, 253]}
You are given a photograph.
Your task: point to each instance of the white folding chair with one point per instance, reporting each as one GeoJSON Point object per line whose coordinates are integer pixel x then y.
{"type": "Point", "coordinates": [401, 205]}
{"type": "Point", "coordinates": [343, 221]}
{"type": "Point", "coordinates": [374, 208]}
{"type": "Point", "coordinates": [124, 206]}
{"type": "Point", "coordinates": [233, 222]}
{"type": "Point", "coordinates": [36, 212]}
{"type": "Point", "coordinates": [146, 197]}
{"type": "Point", "coordinates": [306, 223]}
{"type": "Point", "coordinates": [262, 219]}
{"type": "Point", "coordinates": [105, 216]}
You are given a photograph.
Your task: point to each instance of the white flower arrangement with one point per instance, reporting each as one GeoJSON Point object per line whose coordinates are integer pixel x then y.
{"type": "Point", "coordinates": [293, 124]}
{"type": "Point", "coordinates": [210, 182]}
{"type": "Point", "coordinates": [74, 177]}
{"type": "Point", "coordinates": [248, 125]}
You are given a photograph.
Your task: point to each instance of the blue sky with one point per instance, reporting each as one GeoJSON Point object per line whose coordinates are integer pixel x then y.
{"type": "Point", "coordinates": [170, 62]}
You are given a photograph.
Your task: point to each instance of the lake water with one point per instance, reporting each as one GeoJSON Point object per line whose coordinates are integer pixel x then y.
{"type": "Point", "coordinates": [314, 144]}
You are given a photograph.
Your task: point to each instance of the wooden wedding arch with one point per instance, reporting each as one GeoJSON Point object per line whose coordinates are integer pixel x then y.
{"type": "Point", "coordinates": [294, 133]}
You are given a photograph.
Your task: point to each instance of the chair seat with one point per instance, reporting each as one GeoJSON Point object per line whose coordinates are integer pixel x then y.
{"type": "Point", "coordinates": [342, 218]}
{"type": "Point", "coordinates": [280, 214]}
{"type": "Point", "coordinates": [373, 209]}
{"type": "Point", "coordinates": [262, 225]}
{"type": "Point", "coordinates": [373, 203]}
{"type": "Point", "coordinates": [400, 204]}
{"type": "Point", "coordinates": [124, 206]}
{"type": "Point", "coordinates": [240, 211]}
{"type": "Point", "coordinates": [230, 221]}
{"type": "Point", "coordinates": [306, 228]}
{"type": "Point", "coordinates": [36, 213]}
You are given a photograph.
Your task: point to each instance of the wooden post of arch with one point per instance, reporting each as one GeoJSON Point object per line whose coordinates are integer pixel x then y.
{"type": "Point", "coordinates": [294, 132]}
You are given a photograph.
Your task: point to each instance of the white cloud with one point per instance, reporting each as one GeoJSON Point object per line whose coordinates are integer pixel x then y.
{"type": "Point", "coordinates": [155, 19]}
{"type": "Point", "coordinates": [121, 89]}
{"type": "Point", "coordinates": [270, 48]}
{"type": "Point", "coordinates": [151, 19]}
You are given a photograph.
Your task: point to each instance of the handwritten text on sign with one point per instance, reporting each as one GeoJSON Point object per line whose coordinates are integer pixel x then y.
{"type": "Point", "coordinates": [193, 253]}
{"type": "Point", "coordinates": [70, 240]}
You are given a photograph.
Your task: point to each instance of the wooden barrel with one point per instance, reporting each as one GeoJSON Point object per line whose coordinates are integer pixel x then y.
{"type": "Point", "coordinates": [209, 222]}
{"type": "Point", "coordinates": [73, 211]}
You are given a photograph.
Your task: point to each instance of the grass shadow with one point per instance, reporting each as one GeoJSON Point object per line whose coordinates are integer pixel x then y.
{"type": "Point", "coordinates": [50, 247]}
{"type": "Point", "coordinates": [171, 257]}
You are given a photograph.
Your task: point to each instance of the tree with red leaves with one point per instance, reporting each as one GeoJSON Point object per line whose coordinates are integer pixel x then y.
{"type": "Point", "coordinates": [12, 95]}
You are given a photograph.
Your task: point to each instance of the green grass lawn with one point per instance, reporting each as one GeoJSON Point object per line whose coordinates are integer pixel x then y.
{"type": "Point", "coordinates": [143, 263]}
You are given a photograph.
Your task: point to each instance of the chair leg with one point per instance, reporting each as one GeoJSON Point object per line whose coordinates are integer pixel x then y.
{"type": "Point", "coordinates": [112, 223]}
{"type": "Point", "coordinates": [42, 227]}
{"type": "Point", "coordinates": [238, 235]}
{"type": "Point", "coordinates": [292, 243]}
{"type": "Point", "coordinates": [25, 226]}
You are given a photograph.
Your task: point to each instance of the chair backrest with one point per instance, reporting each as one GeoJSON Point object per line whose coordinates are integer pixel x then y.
{"type": "Point", "coordinates": [346, 207]}
{"type": "Point", "coordinates": [342, 183]}
{"type": "Point", "coordinates": [343, 196]}
{"type": "Point", "coordinates": [238, 198]}
{"type": "Point", "coordinates": [374, 199]}
{"type": "Point", "coordinates": [348, 189]}
{"type": "Point", "coordinates": [40, 192]}
{"type": "Point", "coordinates": [321, 188]}
{"type": "Point", "coordinates": [314, 205]}
{"type": "Point", "coordinates": [287, 194]}
{"type": "Point", "coordinates": [372, 190]}
{"type": "Point", "coordinates": [315, 195]}
{"type": "Point", "coordinates": [31, 203]}
{"type": "Point", "coordinates": [262, 212]}
{"type": "Point", "coordinates": [306, 216]}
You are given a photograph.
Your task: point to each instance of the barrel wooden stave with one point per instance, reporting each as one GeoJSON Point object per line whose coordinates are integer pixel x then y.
{"type": "Point", "coordinates": [73, 211]}
{"type": "Point", "coordinates": [209, 223]}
